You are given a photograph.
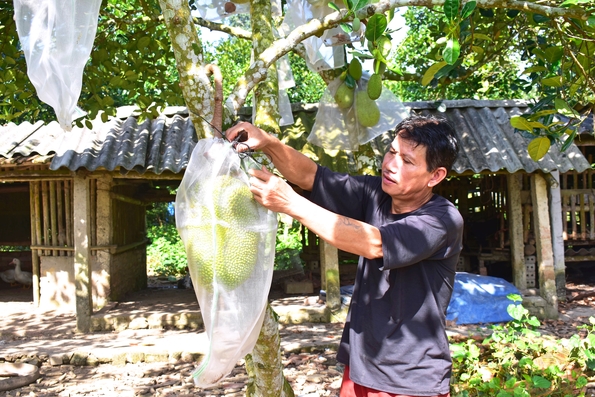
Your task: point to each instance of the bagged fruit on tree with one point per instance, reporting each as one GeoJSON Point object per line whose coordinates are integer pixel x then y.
{"type": "Point", "coordinates": [230, 243]}
{"type": "Point", "coordinates": [354, 111]}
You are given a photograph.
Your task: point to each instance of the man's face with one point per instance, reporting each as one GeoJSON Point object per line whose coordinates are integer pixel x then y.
{"type": "Point", "coordinates": [404, 170]}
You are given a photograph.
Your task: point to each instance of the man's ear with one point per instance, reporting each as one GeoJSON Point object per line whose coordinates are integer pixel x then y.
{"type": "Point", "coordinates": [438, 176]}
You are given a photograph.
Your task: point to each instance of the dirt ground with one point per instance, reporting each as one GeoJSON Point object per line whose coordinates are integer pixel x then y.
{"type": "Point", "coordinates": [311, 374]}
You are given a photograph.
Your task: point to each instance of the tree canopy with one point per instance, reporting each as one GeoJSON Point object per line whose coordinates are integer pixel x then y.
{"type": "Point", "coordinates": [454, 49]}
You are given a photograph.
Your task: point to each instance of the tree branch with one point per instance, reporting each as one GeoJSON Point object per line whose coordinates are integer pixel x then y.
{"type": "Point", "coordinates": [220, 27]}
{"type": "Point", "coordinates": [257, 70]}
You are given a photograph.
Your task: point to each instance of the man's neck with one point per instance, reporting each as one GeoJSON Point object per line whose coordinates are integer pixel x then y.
{"type": "Point", "coordinates": [410, 205]}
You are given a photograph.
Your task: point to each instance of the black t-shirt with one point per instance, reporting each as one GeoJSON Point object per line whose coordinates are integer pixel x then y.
{"type": "Point", "coordinates": [394, 338]}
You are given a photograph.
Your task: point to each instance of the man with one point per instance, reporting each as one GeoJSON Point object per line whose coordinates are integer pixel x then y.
{"type": "Point", "coordinates": [394, 342]}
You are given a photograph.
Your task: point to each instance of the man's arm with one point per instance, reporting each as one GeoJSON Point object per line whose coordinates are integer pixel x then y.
{"type": "Point", "coordinates": [345, 233]}
{"type": "Point", "coordinates": [293, 165]}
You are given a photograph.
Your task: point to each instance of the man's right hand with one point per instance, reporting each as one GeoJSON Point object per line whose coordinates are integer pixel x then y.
{"type": "Point", "coordinates": [250, 137]}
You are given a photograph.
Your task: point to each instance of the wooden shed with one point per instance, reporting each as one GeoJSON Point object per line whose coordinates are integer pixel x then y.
{"type": "Point", "coordinates": [76, 201]}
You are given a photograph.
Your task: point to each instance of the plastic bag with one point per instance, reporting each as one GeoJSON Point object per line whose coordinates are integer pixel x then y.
{"type": "Point", "coordinates": [57, 37]}
{"type": "Point", "coordinates": [230, 243]}
{"type": "Point", "coordinates": [217, 10]}
{"type": "Point", "coordinates": [338, 129]}
{"type": "Point", "coordinates": [318, 56]}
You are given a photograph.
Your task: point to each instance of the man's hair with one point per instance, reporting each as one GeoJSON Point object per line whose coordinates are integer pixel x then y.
{"type": "Point", "coordinates": [437, 135]}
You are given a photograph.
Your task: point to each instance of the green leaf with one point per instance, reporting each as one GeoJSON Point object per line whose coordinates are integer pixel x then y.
{"type": "Point", "coordinates": [348, 4]}
{"type": "Point", "coordinates": [521, 123]}
{"type": "Point", "coordinates": [451, 9]}
{"type": "Point", "coordinates": [143, 42]}
{"type": "Point", "coordinates": [477, 49]}
{"type": "Point", "coordinates": [541, 382]}
{"type": "Point", "coordinates": [360, 4]}
{"type": "Point", "coordinates": [538, 148]}
{"type": "Point", "coordinates": [346, 27]}
{"type": "Point", "coordinates": [564, 109]}
{"type": "Point", "coordinates": [333, 6]}
{"type": "Point", "coordinates": [431, 72]}
{"type": "Point", "coordinates": [555, 81]}
{"type": "Point", "coordinates": [482, 36]}
{"type": "Point", "coordinates": [535, 69]}
{"type": "Point", "coordinates": [591, 21]}
{"type": "Point", "coordinates": [512, 13]}
{"type": "Point", "coordinates": [376, 27]}
{"type": "Point", "coordinates": [468, 9]}
{"type": "Point", "coordinates": [452, 51]}
{"type": "Point", "coordinates": [554, 54]}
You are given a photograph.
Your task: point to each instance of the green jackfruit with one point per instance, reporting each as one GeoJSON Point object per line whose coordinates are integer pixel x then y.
{"type": "Point", "coordinates": [355, 69]}
{"type": "Point", "coordinates": [366, 110]}
{"type": "Point", "coordinates": [356, 24]}
{"type": "Point", "coordinates": [374, 86]}
{"type": "Point", "coordinates": [221, 249]}
{"type": "Point", "coordinates": [344, 96]}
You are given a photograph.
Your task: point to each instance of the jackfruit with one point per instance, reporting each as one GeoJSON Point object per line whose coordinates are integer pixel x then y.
{"type": "Point", "coordinates": [374, 86]}
{"type": "Point", "coordinates": [355, 69]}
{"type": "Point", "coordinates": [344, 96]}
{"type": "Point", "coordinates": [366, 110]}
{"type": "Point", "coordinates": [384, 45]}
{"type": "Point", "coordinates": [221, 250]}
{"type": "Point", "coordinates": [356, 24]}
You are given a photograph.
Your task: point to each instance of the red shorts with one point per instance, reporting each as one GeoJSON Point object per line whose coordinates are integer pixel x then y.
{"type": "Point", "coordinates": [350, 389]}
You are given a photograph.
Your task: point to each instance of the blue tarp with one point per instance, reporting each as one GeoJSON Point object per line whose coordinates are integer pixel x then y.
{"type": "Point", "coordinates": [480, 299]}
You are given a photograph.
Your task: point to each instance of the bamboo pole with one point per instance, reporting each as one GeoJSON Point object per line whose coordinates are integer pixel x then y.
{"type": "Point", "coordinates": [46, 215]}
{"type": "Point", "coordinates": [68, 214]}
{"type": "Point", "coordinates": [60, 213]}
{"type": "Point", "coordinates": [583, 215]}
{"type": "Point", "coordinates": [53, 220]}
{"type": "Point", "coordinates": [34, 236]}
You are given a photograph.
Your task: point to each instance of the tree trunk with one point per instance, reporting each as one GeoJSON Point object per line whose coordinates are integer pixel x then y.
{"type": "Point", "coordinates": [264, 365]}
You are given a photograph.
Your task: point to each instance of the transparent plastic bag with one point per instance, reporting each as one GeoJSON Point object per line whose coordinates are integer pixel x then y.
{"type": "Point", "coordinates": [57, 37]}
{"type": "Point", "coordinates": [217, 10]}
{"type": "Point", "coordinates": [338, 129]}
{"type": "Point", "coordinates": [318, 56]}
{"type": "Point", "coordinates": [230, 243]}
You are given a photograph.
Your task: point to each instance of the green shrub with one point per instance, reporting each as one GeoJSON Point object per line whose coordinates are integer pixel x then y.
{"type": "Point", "coordinates": [517, 361]}
{"type": "Point", "coordinates": [289, 246]}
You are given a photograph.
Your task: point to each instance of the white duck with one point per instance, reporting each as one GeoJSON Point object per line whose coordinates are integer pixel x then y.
{"type": "Point", "coordinates": [8, 276]}
{"type": "Point", "coordinates": [25, 278]}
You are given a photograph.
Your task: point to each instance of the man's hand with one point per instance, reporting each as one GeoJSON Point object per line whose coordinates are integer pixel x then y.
{"type": "Point", "coordinates": [250, 136]}
{"type": "Point", "coordinates": [271, 191]}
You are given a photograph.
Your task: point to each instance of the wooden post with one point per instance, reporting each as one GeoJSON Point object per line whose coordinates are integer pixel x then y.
{"type": "Point", "coordinates": [543, 239]}
{"type": "Point", "coordinates": [329, 265]}
{"type": "Point", "coordinates": [104, 238]}
{"type": "Point", "coordinates": [557, 239]}
{"type": "Point", "coordinates": [82, 266]}
{"type": "Point", "coordinates": [35, 237]}
{"type": "Point", "coordinates": [515, 224]}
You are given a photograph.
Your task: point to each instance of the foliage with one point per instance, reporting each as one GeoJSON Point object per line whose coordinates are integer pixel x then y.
{"type": "Point", "coordinates": [495, 76]}
{"type": "Point", "coordinates": [166, 255]}
{"type": "Point", "coordinates": [289, 246]}
{"type": "Point", "coordinates": [515, 360]}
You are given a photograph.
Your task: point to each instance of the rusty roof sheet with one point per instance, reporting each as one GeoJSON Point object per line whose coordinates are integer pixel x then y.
{"type": "Point", "coordinates": [489, 143]}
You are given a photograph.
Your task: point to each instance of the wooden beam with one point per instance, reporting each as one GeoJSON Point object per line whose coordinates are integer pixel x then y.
{"type": "Point", "coordinates": [543, 239]}
{"type": "Point", "coordinates": [515, 224]}
{"type": "Point", "coordinates": [557, 239]}
{"type": "Point", "coordinates": [82, 255]}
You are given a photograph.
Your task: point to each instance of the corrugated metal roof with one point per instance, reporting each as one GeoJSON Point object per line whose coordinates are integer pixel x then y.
{"type": "Point", "coordinates": [490, 143]}
{"type": "Point", "coordinates": [165, 143]}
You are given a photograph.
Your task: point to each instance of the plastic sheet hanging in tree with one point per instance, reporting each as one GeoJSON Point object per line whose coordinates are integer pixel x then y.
{"type": "Point", "coordinates": [319, 56]}
{"type": "Point", "coordinates": [57, 37]}
{"type": "Point", "coordinates": [230, 243]}
{"type": "Point", "coordinates": [217, 10]}
{"type": "Point", "coordinates": [339, 129]}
